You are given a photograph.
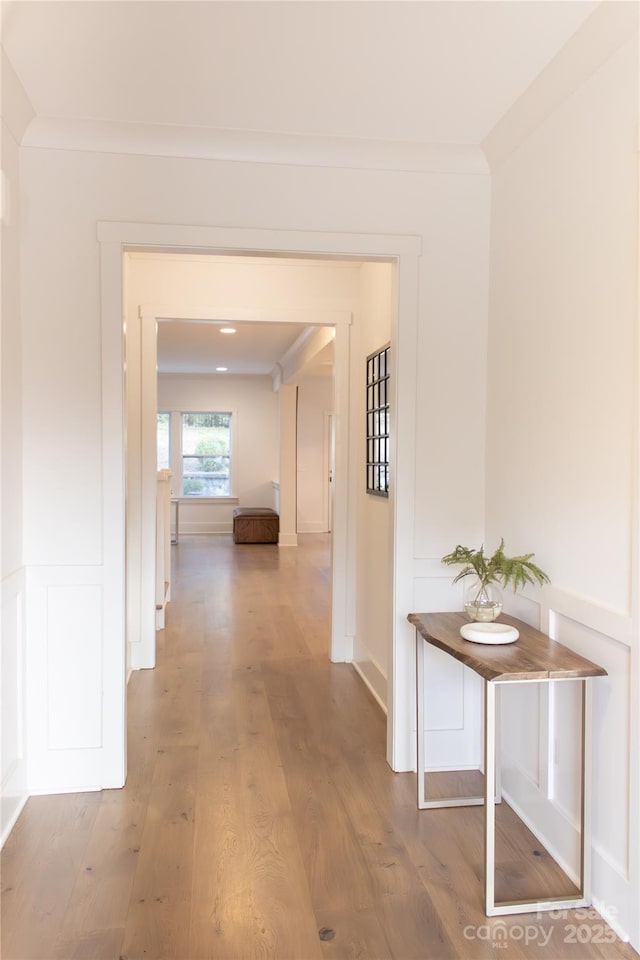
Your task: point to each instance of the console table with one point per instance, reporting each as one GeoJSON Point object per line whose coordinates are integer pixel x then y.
{"type": "Point", "coordinates": [533, 658]}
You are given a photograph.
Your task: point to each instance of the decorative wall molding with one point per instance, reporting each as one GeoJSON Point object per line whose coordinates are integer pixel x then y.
{"type": "Point", "coordinates": [17, 110]}
{"type": "Point", "coordinates": [73, 740]}
{"type": "Point", "coordinates": [220, 240]}
{"type": "Point", "coordinates": [609, 27]}
{"type": "Point", "coordinates": [14, 786]}
{"type": "Point", "coordinates": [246, 146]}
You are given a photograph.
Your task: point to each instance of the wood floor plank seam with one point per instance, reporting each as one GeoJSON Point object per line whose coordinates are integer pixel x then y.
{"type": "Point", "coordinates": [260, 820]}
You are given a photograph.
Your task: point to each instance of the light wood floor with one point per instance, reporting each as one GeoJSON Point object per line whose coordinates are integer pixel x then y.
{"type": "Point", "coordinates": [260, 819]}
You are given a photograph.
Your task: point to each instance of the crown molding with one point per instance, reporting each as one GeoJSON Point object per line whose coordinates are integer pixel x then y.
{"type": "Point", "coordinates": [17, 111]}
{"type": "Point", "coordinates": [306, 347]}
{"type": "Point", "coordinates": [162, 140]}
{"type": "Point", "coordinates": [610, 26]}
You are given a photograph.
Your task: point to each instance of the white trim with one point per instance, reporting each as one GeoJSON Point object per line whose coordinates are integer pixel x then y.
{"type": "Point", "coordinates": [307, 346]}
{"type": "Point", "coordinates": [17, 109]}
{"type": "Point", "coordinates": [370, 679]}
{"type": "Point", "coordinates": [342, 558]}
{"type": "Point", "coordinates": [15, 785]}
{"type": "Point", "coordinates": [559, 834]}
{"type": "Point", "coordinates": [9, 820]}
{"type": "Point", "coordinates": [371, 673]}
{"type": "Point", "coordinates": [221, 240]}
{"type": "Point", "coordinates": [246, 146]}
{"type": "Point", "coordinates": [327, 468]}
{"type": "Point", "coordinates": [204, 527]}
{"type": "Point", "coordinates": [143, 653]}
{"type": "Point", "coordinates": [288, 540]}
{"type": "Point", "coordinates": [245, 314]}
{"type": "Point", "coordinates": [114, 689]}
{"type": "Point", "coordinates": [609, 27]}
{"type": "Point", "coordinates": [312, 526]}
{"type": "Point", "coordinates": [634, 654]}
{"type": "Point", "coordinates": [118, 237]}
{"type": "Point", "coordinates": [402, 733]}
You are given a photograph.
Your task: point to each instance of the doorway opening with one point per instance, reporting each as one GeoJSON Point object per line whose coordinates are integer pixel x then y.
{"type": "Point", "coordinates": [181, 292]}
{"type": "Point", "coordinates": [401, 255]}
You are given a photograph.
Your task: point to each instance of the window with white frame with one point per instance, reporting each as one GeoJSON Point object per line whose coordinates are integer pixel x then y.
{"type": "Point", "coordinates": [201, 461]}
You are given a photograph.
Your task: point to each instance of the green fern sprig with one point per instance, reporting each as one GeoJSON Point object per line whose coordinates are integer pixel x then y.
{"type": "Point", "coordinates": [514, 571]}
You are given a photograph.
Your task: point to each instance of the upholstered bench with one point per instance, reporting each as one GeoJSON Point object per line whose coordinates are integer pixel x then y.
{"type": "Point", "coordinates": [255, 525]}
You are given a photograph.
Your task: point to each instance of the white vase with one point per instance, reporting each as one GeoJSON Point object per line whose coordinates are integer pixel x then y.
{"type": "Point", "coordinates": [482, 603]}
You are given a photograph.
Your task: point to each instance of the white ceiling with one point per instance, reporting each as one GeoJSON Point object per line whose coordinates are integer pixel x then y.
{"type": "Point", "coordinates": [426, 72]}
{"type": "Point", "coordinates": [430, 71]}
{"type": "Point", "coordinates": [200, 347]}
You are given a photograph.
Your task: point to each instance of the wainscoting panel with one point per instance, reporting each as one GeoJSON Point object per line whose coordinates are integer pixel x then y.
{"type": "Point", "coordinates": [14, 764]}
{"type": "Point", "coordinates": [71, 717]}
{"type": "Point", "coordinates": [74, 649]}
{"type": "Point", "coordinates": [541, 755]}
{"type": "Point", "coordinates": [611, 739]}
{"type": "Point", "coordinates": [521, 729]}
{"type": "Point", "coordinates": [453, 694]}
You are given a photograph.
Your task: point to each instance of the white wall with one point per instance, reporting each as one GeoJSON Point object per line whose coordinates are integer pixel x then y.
{"type": "Point", "coordinates": [562, 436]}
{"type": "Point", "coordinates": [16, 113]}
{"type": "Point", "coordinates": [255, 441]}
{"type": "Point", "coordinates": [315, 401]}
{"type": "Point", "coordinates": [70, 192]}
{"type": "Point", "coordinates": [374, 517]}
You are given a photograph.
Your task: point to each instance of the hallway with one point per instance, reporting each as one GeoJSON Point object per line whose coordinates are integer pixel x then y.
{"type": "Point", "coordinates": [259, 818]}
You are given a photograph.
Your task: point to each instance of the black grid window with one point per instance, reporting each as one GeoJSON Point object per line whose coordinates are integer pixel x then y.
{"type": "Point", "coordinates": [378, 422]}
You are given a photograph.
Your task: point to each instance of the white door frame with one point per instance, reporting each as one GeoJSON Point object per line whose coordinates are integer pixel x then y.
{"type": "Point", "coordinates": [329, 467]}
{"type": "Point", "coordinates": [117, 237]}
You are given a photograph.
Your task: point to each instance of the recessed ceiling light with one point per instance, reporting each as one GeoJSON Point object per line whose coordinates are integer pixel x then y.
{"type": "Point", "coordinates": [227, 329]}
{"type": "Point", "coordinates": [221, 369]}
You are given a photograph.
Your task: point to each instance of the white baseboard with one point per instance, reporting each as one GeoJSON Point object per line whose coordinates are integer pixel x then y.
{"type": "Point", "coordinates": [370, 672]}
{"type": "Point", "coordinates": [312, 526]}
{"type": "Point", "coordinates": [14, 779]}
{"type": "Point", "coordinates": [12, 807]}
{"type": "Point", "coordinates": [561, 837]}
{"type": "Point", "coordinates": [189, 528]}
{"type": "Point", "coordinates": [288, 540]}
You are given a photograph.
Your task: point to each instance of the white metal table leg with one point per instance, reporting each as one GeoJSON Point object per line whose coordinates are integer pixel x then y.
{"type": "Point", "coordinates": [420, 719]}
{"type": "Point", "coordinates": [587, 776]}
{"type": "Point", "coordinates": [489, 796]}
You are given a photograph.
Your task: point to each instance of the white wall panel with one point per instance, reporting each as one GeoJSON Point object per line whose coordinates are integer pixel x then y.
{"type": "Point", "coordinates": [453, 694]}
{"type": "Point", "coordinates": [74, 649]}
{"type": "Point", "coordinates": [315, 400]}
{"type": "Point", "coordinates": [16, 115]}
{"type": "Point", "coordinates": [611, 810]}
{"type": "Point", "coordinates": [541, 758]}
{"type": "Point", "coordinates": [13, 674]}
{"type": "Point", "coordinates": [520, 728]}
{"type": "Point", "coordinates": [75, 645]}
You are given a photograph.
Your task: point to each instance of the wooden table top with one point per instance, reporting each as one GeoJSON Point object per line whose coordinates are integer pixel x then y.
{"type": "Point", "coordinates": [533, 656]}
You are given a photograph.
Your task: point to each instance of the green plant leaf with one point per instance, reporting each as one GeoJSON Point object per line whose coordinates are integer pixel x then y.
{"type": "Point", "coordinates": [514, 571]}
